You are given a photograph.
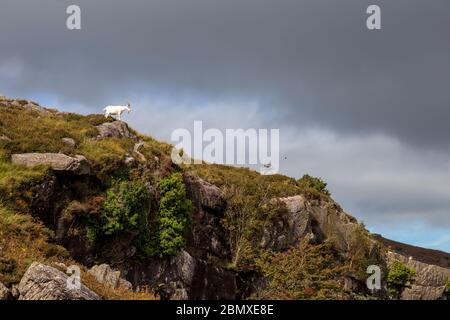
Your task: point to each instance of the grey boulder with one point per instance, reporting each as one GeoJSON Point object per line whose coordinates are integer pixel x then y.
{"type": "Point", "coordinates": [42, 282]}
{"type": "Point", "coordinates": [105, 274]}
{"type": "Point", "coordinates": [57, 161]}
{"type": "Point", "coordinates": [115, 129]}
{"type": "Point", "coordinates": [5, 293]}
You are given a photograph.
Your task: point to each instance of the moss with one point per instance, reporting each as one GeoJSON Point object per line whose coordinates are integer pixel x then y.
{"type": "Point", "coordinates": [106, 155]}
{"type": "Point", "coordinates": [398, 278]}
{"type": "Point", "coordinates": [16, 182]}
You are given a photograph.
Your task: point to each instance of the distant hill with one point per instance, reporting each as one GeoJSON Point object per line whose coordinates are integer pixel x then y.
{"type": "Point", "coordinates": [429, 256]}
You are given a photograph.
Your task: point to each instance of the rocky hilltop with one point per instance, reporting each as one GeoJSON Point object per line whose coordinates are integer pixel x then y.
{"type": "Point", "coordinates": [91, 193]}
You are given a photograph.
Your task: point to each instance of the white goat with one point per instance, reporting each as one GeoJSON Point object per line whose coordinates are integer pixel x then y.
{"type": "Point", "coordinates": [116, 110]}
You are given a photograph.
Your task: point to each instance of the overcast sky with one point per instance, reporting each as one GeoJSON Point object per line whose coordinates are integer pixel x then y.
{"type": "Point", "coordinates": [368, 111]}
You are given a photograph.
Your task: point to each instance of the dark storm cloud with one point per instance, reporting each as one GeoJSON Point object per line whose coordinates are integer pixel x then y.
{"type": "Point", "coordinates": [314, 61]}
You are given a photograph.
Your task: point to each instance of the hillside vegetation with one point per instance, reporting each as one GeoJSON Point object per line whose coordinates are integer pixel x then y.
{"type": "Point", "coordinates": [265, 236]}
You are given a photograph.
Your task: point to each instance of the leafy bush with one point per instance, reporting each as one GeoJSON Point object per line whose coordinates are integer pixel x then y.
{"type": "Point", "coordinates": [304, 272]}
{"type": "Point", "coordinates": [399, 277]}
{"type": "Point", "coordinates": [314, 183]}
{"type": "Point", "coordinates": [174, 209]}
{"type": "Point", "coordinates": [171, 221]}
{"type": "Point", "coordinates": [125, 209]}
{"type": "Point", "coordinates": [248, 212]}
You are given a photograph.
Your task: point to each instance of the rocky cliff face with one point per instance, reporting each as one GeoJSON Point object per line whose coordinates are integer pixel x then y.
{"type": "Point", "coordinates": [238, 219]}
{"type": "Point", "coordinates": [429, 282]}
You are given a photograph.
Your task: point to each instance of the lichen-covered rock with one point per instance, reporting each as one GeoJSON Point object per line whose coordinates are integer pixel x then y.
{"type": "Point", "coordinates": [136, 148]}
{"type": "Point", "coordinates": [5, 293]}
{"type": "Point", "coordinates": [204, 194]}
{"type": "Point", "coordinates": [115, 129]}
{"type": "Point", "coordinates": [129, 161]}
{"type": "Point", "coordinates": [186, 277]}
{"type": "Point", "coordinates": [311, 220]}
{"type": "Point", "coordinates": [15, 292]}
{"type": "Point", "coordinates": [27, 104]}
{"type": "Point", "coordinates": [293, 225]}
{"type": "Point", "coordinates": [69, 142]}
{"type": "Point", "coordinates": [57, 161]}
{"type": "Point", "coordinates": [42, 282]}
{"type": "Point", "coordinates": [206, 232]}
{"type": "Point", "coordinates": [185, 265]}
{"type": "Point", "coordinates": [105, 274]}
{"type": "Point", "coordinates": [429, 281]}
{"type": "Point", "coordinates": [4, 138]}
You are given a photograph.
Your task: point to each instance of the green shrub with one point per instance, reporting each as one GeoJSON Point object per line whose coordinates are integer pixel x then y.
{"type": "Point", "coordinates": [399, 277]}
{"type": "Point", "coordinates": [248, 212]}
{"type": "Point", "coordinates": [314, 183]}
{"type": "Point", "coordinates": [172, 219]}
{"type": "Point", "coordinates": [304, 272]}
{"type": "Point", "coordinates": [174, 210]}
{"type": "Point", "coordinates": [125, 209]}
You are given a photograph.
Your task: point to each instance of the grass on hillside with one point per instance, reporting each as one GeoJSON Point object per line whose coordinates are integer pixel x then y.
{"type": "Point", "coordinates": [34, 131]}
{"type": "Point", "coordinates": [249, 198]}
{"type": "Point", "coordinates": [23, 240]}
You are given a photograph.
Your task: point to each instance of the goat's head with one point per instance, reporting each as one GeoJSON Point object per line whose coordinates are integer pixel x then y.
{"type": "Point", "coordinates": [129, 107]}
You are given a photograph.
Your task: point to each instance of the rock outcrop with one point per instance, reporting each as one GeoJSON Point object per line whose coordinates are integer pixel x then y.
{"type": "Point", "coordinates": [429, 281]}
{"type": "Point", "coordinates": [69, 142]}
{"type": "Point", "coordinates": [295, 224]}
{"type": "Point", "coordinates": [4, 138]}
{"type": "Point", "coordinates": [70, 201]}
{"type": "Point", "coordinates": [22, 103]}
{"type": "Point", "coordinates": [207, 235]}
{"type": "Point", "coordinates": [42, 282]}
{"type": "Point", "coordinates": [57, 161]}
{"type": "Point", "coordinates": [185, 277]}
{"type": "Point", "coordinates": [105, 274]}
{"type": "Point", "coordinates": [311, 221]}
{"type": "Point", "coordinates": [115, 129]}
{"type": "Point", "coordinates": [136, 148]}
{"type": "Point", "coordinates": [204, 194]}
{"type": "Point", "coordinates": [5, 293]}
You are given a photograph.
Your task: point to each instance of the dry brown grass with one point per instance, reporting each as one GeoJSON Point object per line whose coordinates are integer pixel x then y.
{"type": "Point", "coordinates": [23, 240]}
